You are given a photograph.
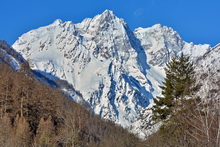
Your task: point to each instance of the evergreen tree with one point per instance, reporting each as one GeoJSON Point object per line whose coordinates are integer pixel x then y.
{"type": "Point", "coordinates": [179, 78]}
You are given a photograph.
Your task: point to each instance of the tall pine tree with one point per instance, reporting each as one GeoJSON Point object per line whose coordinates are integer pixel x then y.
{"type": "Point", "coordinates": [179, 78]}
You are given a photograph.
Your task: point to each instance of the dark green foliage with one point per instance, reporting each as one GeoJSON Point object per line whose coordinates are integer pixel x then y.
{"type": "Point", "coordinates": [177, 84]}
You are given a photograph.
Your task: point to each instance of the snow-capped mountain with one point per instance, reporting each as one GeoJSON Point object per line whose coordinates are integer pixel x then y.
{"type": "Point", "coordinates": [116, 70]}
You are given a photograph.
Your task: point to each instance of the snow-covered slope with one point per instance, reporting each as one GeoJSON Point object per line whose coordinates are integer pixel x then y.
{"type": "Point", "coordinates": [117, 71]}
{"type": "Point", "coordinates": [208, 78]}
{"type": "Point", "coordinates": [160, 42]}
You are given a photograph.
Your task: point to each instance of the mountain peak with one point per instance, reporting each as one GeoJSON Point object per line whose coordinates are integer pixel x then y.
{"type": "Point", "coordinates": [157, 26]}
{"type": "Point", "coordinates": [108, 12]}
{"type": "Point", "coordinates": [107, 15]}
{"type": "Point", "coordinates": [57, 22]}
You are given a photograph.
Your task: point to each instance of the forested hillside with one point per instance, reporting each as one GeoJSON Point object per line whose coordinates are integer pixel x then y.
{"type": "Point", "coordinates": [33, 114]}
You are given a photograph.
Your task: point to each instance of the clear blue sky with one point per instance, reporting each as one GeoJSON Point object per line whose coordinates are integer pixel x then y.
{"type": "Point", "coordinates": [196, 21]}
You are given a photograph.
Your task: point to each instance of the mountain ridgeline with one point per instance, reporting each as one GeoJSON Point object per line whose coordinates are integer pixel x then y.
{"type": "Point", "coordinates": [116, 71]}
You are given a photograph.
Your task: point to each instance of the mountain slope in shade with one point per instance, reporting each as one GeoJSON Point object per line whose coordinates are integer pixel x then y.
{"type": "Point", "coordinates": [9, 56]}
{"type": "Point", "coordinates": [117, 71]}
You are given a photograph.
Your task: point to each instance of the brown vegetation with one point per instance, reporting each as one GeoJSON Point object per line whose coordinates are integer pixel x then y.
{"type": "Point", "coordinates": [33, 114]}
{"type": "Point", "coordinates": [197, 124]}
